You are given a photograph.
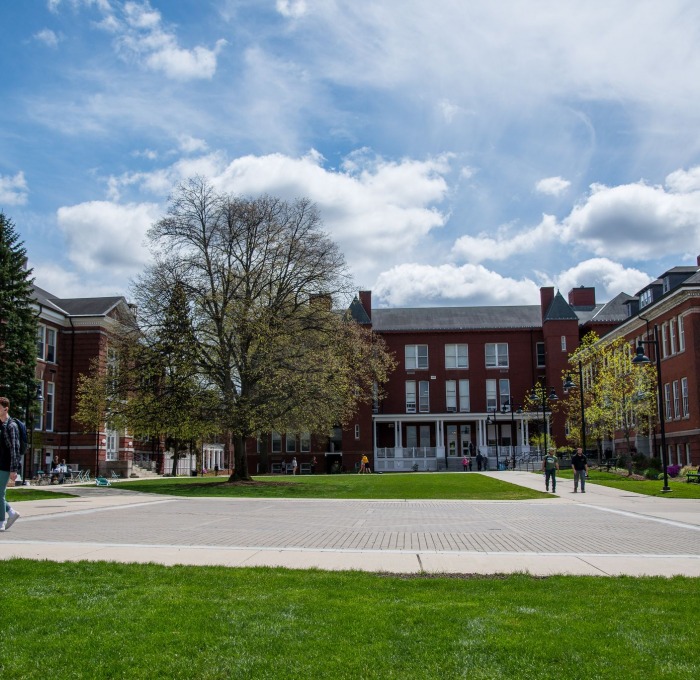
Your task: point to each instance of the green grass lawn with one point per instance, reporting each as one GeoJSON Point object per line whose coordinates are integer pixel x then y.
{"type": "Point", "coordinates": [31, 493]}
{"type": "Point", "coordinates": [386, 486]}
{"type": "Point", "coordinates": [100, 620]}
{"type": "Point", "coordinates": [649, 487]}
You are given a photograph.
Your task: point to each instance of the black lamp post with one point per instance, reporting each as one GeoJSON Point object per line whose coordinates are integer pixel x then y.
{"type": "Point", "coordinates": [508, 408]}
{"type": "Point", "coordinates": [540, 397]}
{"type": "Point", "coordinates": [641, 359]}
{"type": "Point", "coordinates": [29, 420]}
{"type": "Point", "coordinates": [492, 420]}
{"type": "Point", "coordinates": [570, 385]}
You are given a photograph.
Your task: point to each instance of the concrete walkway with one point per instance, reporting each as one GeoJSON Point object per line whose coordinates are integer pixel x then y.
{"type": "Point", "coordinates": [602, 532]}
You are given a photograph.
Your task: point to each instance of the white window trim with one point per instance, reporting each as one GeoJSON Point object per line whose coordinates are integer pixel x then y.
{"type": "Point", "coordinates": [415, 357]}
{"type": "Point", "coordinates": [455, 357]}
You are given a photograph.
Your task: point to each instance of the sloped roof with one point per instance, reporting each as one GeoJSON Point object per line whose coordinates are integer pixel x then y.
{"type": "Point", "coordinates": [96, 306]}
{"type": "Point", "coordinates": [613, 311]}
{"type": "Point", "coordinates": [456, 318]}
{"type": "Point", "coordinates": [560, 310]}
{"type": "Point", "coordinates": [358, 312]}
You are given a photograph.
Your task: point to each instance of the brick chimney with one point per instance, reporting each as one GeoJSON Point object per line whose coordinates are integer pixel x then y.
{"type": "Point", "coordinates": [366, 300]}
{"type": "Point", "coordinates": [546, 297]}
{"type": "Point", "coordinates": [584, 296]}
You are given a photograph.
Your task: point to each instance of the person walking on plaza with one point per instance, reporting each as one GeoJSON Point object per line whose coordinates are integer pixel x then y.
{"type": "Point", "coordinates": [465, 463]}
{"type": "Point", "coordinates": [580, 465]}
{"type": "Point", "coordinates": [550, 465]}
{"type": "Point", "coordinates": [10, 462]}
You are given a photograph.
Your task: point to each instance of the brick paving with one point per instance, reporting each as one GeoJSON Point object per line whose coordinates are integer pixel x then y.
{"type": "Point", "coordinates": [540, 527]}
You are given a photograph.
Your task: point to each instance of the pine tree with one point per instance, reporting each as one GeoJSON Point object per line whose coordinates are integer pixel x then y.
{"type": "Point", "coordinates": [18, 322]}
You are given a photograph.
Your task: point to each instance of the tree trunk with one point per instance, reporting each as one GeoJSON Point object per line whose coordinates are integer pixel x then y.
{"type": "Point", "coordinates": [240, 472]}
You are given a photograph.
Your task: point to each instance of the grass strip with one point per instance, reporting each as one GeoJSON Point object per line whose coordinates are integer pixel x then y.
{"type": "Point", "coordinates": [649, 487]}
{"type": "Point", "coordinates": [87, 620]}
{"type": "Point", "coordinates": [404, 486]}
{"type": "Point", "coordinates": [28, 493]}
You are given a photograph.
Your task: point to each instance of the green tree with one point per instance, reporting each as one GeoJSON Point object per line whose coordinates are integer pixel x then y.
{"type": "Point", "coordinates": [259, 275]}
{"type": "Point", "coordinates": [18, 323]}
{"type": "Point", "coordinates": [618, 397]}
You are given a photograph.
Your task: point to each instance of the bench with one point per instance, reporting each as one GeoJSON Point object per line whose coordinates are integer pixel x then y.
{"type": "Point", "coordinates": [305, 468]}
{"type": "Point", "coordinates": [692, 477]}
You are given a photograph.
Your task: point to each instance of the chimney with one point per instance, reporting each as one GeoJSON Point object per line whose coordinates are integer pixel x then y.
{"type": "Point", "coordinates": [582, 297]}
{"type": "Point", "coordinates": [546, 297]}
{"type": "Point", "coordinates": [366, 300]}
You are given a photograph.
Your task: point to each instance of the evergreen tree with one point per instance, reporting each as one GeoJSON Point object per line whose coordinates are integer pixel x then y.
{"type": "Point", "coordinates": [17, 320]}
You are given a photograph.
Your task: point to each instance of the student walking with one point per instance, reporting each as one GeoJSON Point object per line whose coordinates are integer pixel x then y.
{"type": "Point", "coordinates": [550, 465]}
{"type": "Point", "coordinates": [10, 462]}
{"type": "Point", "coordinates": [580, 465]}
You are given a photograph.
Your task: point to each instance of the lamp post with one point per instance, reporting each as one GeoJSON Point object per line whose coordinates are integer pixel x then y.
{"type": "Point", "coordinates": [569, 385]}
{"type": "Point", "coordinates": [508, 408]}
{"type": "Point", "coordinates": [29, 420]}
{"type": "Point", "coordinates": [642, 359]}
{"type": "Point", "coordinates": [493, 421]}
{"type": "Point", "coordinates": [540, 397]}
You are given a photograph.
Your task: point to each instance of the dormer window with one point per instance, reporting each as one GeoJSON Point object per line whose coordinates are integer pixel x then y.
{"type": "Point", "coordinates": [645, 298]}
{"type": "Point", "coordinates": [667, 284]}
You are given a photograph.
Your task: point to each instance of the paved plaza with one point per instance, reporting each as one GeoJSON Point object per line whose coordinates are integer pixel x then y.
{"type": "Point", "coordinates": [604, 532]}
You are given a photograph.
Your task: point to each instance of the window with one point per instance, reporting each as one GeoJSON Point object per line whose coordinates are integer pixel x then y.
{"type": "Point", "coordinates": [687, 454]}
{"type": "Point", "coordinates": [684, 396]}
{"type": "Point", "coordinates": [456, 356]}
{"type": "Point", "coordinates": [504, 392]}
{"type": "Point", "coordinates": [451, 395]}
{"type": "Point", "coordinates": [39, 420]}
{"type": "Point", "coordinates": [40, 331]}
{"type": "Point", "coordinates": [645, 298]}
{"type": "Point", "coordinates": [464, 396]}
{"type": "Point", "coordinates": [672, 335]}
{"type": "Point", "coordinates": [51, 345]}
{"type": "Point", "coordinates": [357, 431]}
{"type": "Point", "coordinates": [664, 340]}
{"type": "Point", "coordinates": [667, 400]}
{"type": "Point", "coordinates": [491, 397]}
{"type": "Point", "coordinates": [112, 450]}
{"type": "Point", "coordinates": [49, 401]}
{"type": "Point", "coordinates": [411, 436]}
{"type": "Point", "coordinates": [676, 400]}
{"type": "Point", "coordinates": [563, 343]}
{"type": "Point", "coordinates": [276, 440]}
{"type": "Point", "coordinates": [496, 354]}
{"type": "Point", "coordinates": [305, 442]}
{"type": "Point", "coordinates": [410, 396]}
{"type": "Point", "coordinates": [416, 356]}
{"type": "Point", "coordinates": [540, 355]}
{"type": "Point", "coordinates": [681, 334]}
{"type": "Point", "coordinates": [290, 443]}
{"type": "Point", "coordinates": [424, 396]}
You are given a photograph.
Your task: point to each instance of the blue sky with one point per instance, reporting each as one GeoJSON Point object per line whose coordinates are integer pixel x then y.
{"type": "Point", "coordinates": [461, 152]}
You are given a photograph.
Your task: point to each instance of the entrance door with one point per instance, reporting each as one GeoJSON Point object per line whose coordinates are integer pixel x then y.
{"type": "Point", "coordinates": [465, 434]}
{"type": "Point", "coordinates": [452, 440]}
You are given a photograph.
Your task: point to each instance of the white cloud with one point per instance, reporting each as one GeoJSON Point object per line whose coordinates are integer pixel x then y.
{"type": "Point", "coordinates": [190, 144]}
{"type": "Point", "coordinates": [48, 37]}
{"type": "Point", "coordinates": [106, 236]}
{"type": "Point", "coordinates": [449, 284]}
{"type": "Point", "coordinates": [553, 186]}
{"type": "Point", "coordinates": [292, 9]}
{"type": "Point", "coordinates": [506, 242]}
{"type": "Point", "coordinates": [637, 221]}
{"type": "Point", "coordinates": [140, 34]}
{"type": "Point", "coordinates": [609, 278]}
{"type": "Point", "coordinates": [13, 190]}
{"type": "Point", "coordinates": [684, 181]}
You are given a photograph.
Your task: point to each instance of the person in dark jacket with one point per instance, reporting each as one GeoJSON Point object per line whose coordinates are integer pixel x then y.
{"type": "Point", "coordinates": [10, 462]}
{"type": "Point", "coordinates": [580, 465]}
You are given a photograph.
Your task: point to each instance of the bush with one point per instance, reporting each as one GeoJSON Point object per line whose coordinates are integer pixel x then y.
{"type": "Point", "coordinates": [640, 462]}
{"type": "Point", "coordinates": [673, 470]}
{"type": "Point", "coordinates": [651, 473]}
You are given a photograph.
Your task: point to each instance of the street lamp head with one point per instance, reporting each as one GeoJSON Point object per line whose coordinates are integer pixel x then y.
{"type": "Point", "coordinates": [553, 395]}
{"type": "Point", "coordinates": [640, 357]}
{"type": "Point", "coordinates": [569, 384]}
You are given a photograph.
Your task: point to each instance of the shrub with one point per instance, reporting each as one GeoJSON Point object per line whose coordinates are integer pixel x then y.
{"type": "Point", "coordinates": [673, 470]}
{"type": "Point", "coordinates": [651, 473]}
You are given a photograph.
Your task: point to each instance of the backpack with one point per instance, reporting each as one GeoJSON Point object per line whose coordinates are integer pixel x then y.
{"type": "Point", "coordinates": [22, 436]}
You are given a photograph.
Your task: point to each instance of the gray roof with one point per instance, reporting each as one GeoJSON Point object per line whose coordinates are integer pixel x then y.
{"type": "Point", "coordinates": [613, 311]}
{"type": "Point", "coordinates": [456, 318]}
{"type": "Point", "coordinates": [560, 310]}
{"type": "Point", "coordinates": [97, 306]}
{"type": "Point", "coordinates": [358, 312]}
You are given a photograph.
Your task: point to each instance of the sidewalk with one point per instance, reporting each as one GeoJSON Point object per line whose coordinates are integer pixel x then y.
{"type": "Point", "coordinates": [602, 532]}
